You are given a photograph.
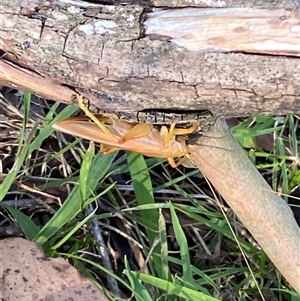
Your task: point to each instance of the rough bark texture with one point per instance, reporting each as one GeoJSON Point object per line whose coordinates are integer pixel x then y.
{"type": "Point", "coordinates": [128, 54]}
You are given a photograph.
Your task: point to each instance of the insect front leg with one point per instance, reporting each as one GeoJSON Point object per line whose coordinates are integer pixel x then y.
{"type": "Point", "coordinates": [168, 134]}
{"type": "Point", "coordinates": [184, 132]}
{"type": "Point", "coordinates": [172, 162]}
{"type": "Point", "coordinates": [178, 163]}
{"type": "Point", "coordinates": [107, 149]}
{"type": "Point", "coordinates": [89, 114]}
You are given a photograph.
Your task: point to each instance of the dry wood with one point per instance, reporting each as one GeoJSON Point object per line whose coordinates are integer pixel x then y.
{"type": "Point", "coordinates": [243, 29]}
{"type": "Point", "coordinates": [130, 64]}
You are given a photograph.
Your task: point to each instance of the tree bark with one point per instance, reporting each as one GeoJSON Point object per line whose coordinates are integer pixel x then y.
{"type": "Point", "coordinates": [224, 56]}
{"type": "Point", "coordinates": [137, 56]}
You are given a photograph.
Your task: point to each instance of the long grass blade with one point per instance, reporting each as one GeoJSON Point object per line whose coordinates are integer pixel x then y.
{"type": "Point", "coordinates": [73, 204]}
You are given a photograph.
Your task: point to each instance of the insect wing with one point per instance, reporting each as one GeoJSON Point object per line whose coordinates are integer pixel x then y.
{"type": "Point", "coordinates": [84, 129]}
{"type": "Point", "coordinates": [81, 127]}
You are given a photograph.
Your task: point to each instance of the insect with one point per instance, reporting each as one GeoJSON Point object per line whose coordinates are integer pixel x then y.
{"type": "Point", "coordinates": [144, 116]}
{"type": "Point", "coordinates": [143, 138]}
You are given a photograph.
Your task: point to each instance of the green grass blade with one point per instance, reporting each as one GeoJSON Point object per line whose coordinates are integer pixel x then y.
{"type": "Point", "coordinates": [22, 151]}
{"type": "Point", "coordinates": [294, 181]}
{"type": "Point", "coordinates": [73, 204]}
{"type": "Point", "coordinates": [164, 247]}
{"type": "Point", "coordinates": [284, 173]}
{"type": "Point", "coordinates": [184, 249]}
{"type": "Point", "coordinates": [85, 170]}
{"type": "Point", "coordinates": [27, 101]}
{"type": "Point", "coordinates": [139, 290]}
{"type": "Point", "coordinates": [47, 130]}
{"type": "Point", "coordinates": [29, 228]}
{"type": "Point", "coordinates": [175, 289]}
{"type": "Point", "coordinates": [70, 233]}
{"type": "Point", "coordinates": [144, 195]}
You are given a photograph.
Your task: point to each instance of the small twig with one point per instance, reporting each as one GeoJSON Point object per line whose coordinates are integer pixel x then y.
{"type": "Point", "coordinates": [97, 232]}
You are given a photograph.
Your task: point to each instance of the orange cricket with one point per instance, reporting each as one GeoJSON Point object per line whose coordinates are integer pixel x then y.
{"type": "Point", "coordinates": [142, 138]}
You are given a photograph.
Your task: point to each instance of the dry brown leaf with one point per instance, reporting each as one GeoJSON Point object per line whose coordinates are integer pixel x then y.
{"type": "Point", "coordinates": [27, 274]}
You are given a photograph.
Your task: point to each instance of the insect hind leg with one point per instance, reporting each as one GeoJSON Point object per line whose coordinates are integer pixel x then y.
{"type": "Point", "coordinates": [89, 114]}
{"type": "Point", "coordinates": [180, 161]}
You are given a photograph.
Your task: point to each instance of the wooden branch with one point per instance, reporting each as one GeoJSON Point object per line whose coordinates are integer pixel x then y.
{"type": "Point", "coordinates": [267, 216]}
{"type": "Point", "coordinates": [239, 29]}
{"type": "Point", "coordinates": [16, 77]}
{"type": "Point", "coordinates": [129, 56]}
